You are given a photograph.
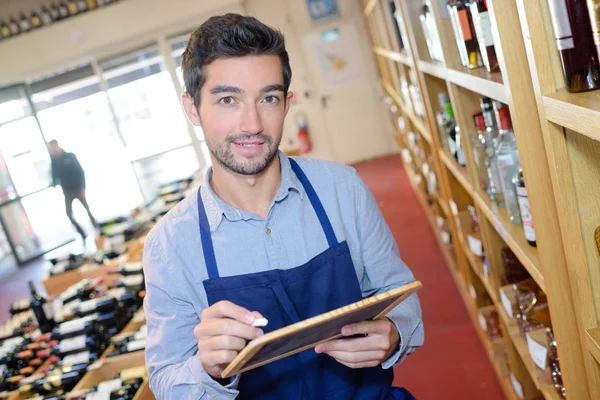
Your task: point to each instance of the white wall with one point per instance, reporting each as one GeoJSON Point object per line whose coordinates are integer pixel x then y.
{"type": "Point", "coordinates": [130, 24]}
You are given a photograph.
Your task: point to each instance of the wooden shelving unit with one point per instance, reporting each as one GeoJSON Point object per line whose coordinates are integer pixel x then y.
{"type": "Point", "coordinates": [561, 169]}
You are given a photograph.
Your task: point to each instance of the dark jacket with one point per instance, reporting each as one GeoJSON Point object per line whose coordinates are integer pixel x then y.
{"type": "Point", "coordinates": [67, 172]}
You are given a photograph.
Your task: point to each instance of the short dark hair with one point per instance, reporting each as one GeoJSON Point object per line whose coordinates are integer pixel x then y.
{"type": "Point", "coordinates": [227, 36]}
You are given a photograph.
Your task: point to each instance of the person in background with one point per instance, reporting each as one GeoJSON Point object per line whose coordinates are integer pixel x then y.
{"type": "Point", "coordinates": [68, 173]}
{"type": "Point", "coordinates": [267, 236]}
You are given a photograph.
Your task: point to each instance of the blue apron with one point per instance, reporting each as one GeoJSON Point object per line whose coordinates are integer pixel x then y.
{"type": "Point", "coordinates": [284, 297]}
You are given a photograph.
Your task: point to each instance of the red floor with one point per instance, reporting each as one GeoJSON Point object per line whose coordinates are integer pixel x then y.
{"type": "Point", "coordinates": [452, 363]}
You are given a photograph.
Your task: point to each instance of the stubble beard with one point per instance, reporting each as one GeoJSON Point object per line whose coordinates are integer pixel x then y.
{"type": "Point", "coordinates": [251, 165]}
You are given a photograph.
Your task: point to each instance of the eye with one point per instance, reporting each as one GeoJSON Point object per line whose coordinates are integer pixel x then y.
{"type": "Point", "coordinates": [271, 99]}
{"type": "Point", "coordinates": [227, 100]}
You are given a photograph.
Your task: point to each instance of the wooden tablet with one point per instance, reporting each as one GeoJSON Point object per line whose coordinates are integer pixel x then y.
{"type": "Point", "coordinates": [306, 334]}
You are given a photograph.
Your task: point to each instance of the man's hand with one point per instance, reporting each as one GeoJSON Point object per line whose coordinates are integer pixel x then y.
{"type": "Point", "coordinates": [369, 351]}
{"type": "Point", "coordinates": [222, 332]}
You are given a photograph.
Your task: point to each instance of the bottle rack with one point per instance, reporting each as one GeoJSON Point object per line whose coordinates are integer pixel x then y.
{"type": "Point", "coordinates": [563, 200]}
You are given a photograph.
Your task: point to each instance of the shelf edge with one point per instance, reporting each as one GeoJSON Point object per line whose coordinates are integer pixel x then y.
{"type": "Point", "coordinates": [454, 169]}
{"type": "Point", "coordinates": [482, 86]}
{"type": "Point", "coordinates": [579, 119]}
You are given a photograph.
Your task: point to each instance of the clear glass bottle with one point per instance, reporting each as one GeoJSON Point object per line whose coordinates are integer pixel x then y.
{"type": "Point", "coordinates": [508, 163]}
{"type": "Point", "coordinates": [491, 136]}
{"type": "Point", "coordinates": [479, 147]}
{"type": "Point", "coordinates": [432, 36]}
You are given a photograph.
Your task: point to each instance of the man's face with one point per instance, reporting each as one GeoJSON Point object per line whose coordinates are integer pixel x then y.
{"type": "Point", "coordinates": [241, 111]}
{"type": "Point", "coordinates": [55, 149]}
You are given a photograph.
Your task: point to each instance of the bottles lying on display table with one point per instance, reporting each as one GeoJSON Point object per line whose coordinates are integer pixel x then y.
{"type": "Point", "coordinates": [66, 263]}
{"type": "Point", "coordinates": [575, 42]}
{"type": "Point", "coordinates": [431, 33]}
{"type": "Point", "coordinates": [47, 15]}
{"type": "Point", "coordinates": [129, 343]}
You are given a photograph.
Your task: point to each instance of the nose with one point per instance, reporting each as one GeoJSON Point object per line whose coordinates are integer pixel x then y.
{"type": "Point", "coordinates": [251, 120]}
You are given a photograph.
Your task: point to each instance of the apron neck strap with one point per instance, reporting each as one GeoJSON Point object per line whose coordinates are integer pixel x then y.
{"type": "Point", "coordinates": [205, 235]}
{"type": "Point", "coordinates": [316, 203]}
{"type": "Point", "coordinates": [207, 244]}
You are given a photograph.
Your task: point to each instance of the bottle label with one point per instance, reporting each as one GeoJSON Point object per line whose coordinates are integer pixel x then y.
{"type": "Point", "coordinates": [506, 303]}
{"type": "Point", "coordinates": [109, 386]}
{"type": "Point", "coordinates": [483, 28]}
{"type": "Point", "coordinates": [463, 18]}
{"type": "Point", "coordinates": [77, 358]}
{"type": "Point", "coordinates": [594, 9]}
{"type": "Point", "coordinates": [539, 353]}
{"type": "Point", "coordinates": [516, 386]}
{"type": "Point", "coordinates": [133, 267]}
{"type": "Point", "coordinates": [116, 293]}
{"type": "Point", "coordinates": [69, 293]}
{"type": "Point", "coordinates": [445, 237]}
{"type": "Point", "coordinates": [76, 343]}
{"type": "Point", "coordinates": [72, 326]}
{"type": "Point", "coordinates": [482, 322]}
{"type": "Point", "coordinates": [508, 170]}
{"type": "Point", "coordinates": [475, 245]}
{"type": "Point", "coordinates": [98, 396]}
{"type": "Point", "coordinates": [136, 345]}
{"type": "Point", "coordinates": [526, 218]}
{"type": "Point", "coordinates": [141, 334]}
{"type": "Point", "coordinates": [88, 306]}
{"type": "Point", "coordinates": [134, 280]}
{"type": "Point", "coordinates": [561, 24]}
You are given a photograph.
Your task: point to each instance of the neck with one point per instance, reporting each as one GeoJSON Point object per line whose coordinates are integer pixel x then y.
{"type": "Point", "coordinates": [252, 193]}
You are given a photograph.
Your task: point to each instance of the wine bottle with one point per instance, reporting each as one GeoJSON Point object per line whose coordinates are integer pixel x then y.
{"type": "Point", "coordinates": [460, 43]}
{"type": "Point", "coordinates": [46, 16]}
{"type": "Point", "coordinates": [101, 305]}
{"type": "Point", "coordinates": [53, 383]}
{"type": "Point", "coordinates": [79, 358]}
{"type": "Point", "coordinates": [24, 23]}
{"type": "Point", "coordinates": [4, 30]}
{"type": "Point", "coordinates": [92, 4]}
{"type": "Point", "coordinates": [82, 5]}
{"type": "Point", "coordinates": [55, 12]}
{"type": "Point", "coordinates": [14, 27]}
{"type": "Point", "coordinates": [72, 7]}
{"type": "Point", "coordinates": [524, 209]}
{"type": "Point", "coordinates": [41, 310]}
{"type": "Point", "coordinates": [573, 33]}
{"type": "Point", "coordinates": [483, 29]}
{"type": "Point", "coordinates": [594, 11]}
{"type": "Point", "coordinates": [63, 10]}
{"type": "Point", "coordinates": [467, 33]}
{"type": "Point", "coordinates": [491, 135]}
{"type": "Point", "coordinates": [36, 21]}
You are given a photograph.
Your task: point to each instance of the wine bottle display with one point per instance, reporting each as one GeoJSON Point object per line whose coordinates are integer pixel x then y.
{"type": "Point", "coordinates": [573, 33]}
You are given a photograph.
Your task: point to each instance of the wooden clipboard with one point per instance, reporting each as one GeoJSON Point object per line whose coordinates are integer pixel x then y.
{"type": "Point", "coordinates": [306, 334]}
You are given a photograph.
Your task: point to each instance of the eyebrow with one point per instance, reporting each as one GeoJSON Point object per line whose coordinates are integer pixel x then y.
{"type": "Point", "coordinates": [234, 89]}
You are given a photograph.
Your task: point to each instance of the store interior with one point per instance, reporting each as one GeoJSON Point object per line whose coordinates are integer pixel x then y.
{"type": "Point", "coordinates": [474, 123]}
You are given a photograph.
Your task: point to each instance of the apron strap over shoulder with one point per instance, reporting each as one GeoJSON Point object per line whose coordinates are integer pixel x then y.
{"type": "Point", "coordinates": [316, 203]}
{"type": "Point", "coordinates": [207, 244]}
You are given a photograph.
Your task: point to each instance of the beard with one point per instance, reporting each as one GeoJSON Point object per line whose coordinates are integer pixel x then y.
{"type": "Point", "coordinates": [250, 165]}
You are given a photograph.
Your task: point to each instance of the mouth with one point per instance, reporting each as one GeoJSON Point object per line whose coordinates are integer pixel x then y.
{"type": "Point", "coordinates": [249, 147]}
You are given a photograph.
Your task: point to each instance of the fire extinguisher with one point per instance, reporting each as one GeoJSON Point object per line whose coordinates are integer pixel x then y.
{"type": "Point", "coordinates": [302, 135]}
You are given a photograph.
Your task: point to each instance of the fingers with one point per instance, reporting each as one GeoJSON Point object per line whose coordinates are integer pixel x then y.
{"type": "Point", "coordinates": [379, 326]}
{"type": "Point", "coordinates": [222, 343]}
{"type": "Point", "coordinates": [226, 309]}
{"type": "Point", "coordinates": [369, 343]}
{"type": "Point", "coordinates": [358, 358]}
{"type": "Point", "coordinates": [227, 327]}
{"type": "Point", "coordinates": [220, 357]}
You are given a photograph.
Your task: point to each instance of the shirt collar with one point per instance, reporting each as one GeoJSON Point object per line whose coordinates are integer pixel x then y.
{"type": "Point", "coordinates": [216, 207]}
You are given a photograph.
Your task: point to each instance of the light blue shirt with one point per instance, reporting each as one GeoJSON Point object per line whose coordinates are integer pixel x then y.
{"type": "Point", "coordinates": [290, 236]}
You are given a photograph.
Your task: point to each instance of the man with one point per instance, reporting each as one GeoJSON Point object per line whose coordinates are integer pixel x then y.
{"type": "Point", "coordinates": [67, 171]}
{"type": "Point", "coordinates": [270, 236]}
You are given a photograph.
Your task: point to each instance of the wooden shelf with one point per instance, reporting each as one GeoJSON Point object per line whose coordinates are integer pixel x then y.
{"type": "Point", "coordinates": [550, 393]}
{"type": "Point", "coordinates": [459, 172]}
{"type": "Point", "coordinates": [393, 55]}
{"type": "Point", "coordinates": [480, 81]}
{"type": "Point", "coordinates": [577, 111]}
{"type": "Point", "coordinates": [514, 237]}
{"type": "Point", "coordinates": [485, 340]}
{"type": "Point", "coordinates": [416, 121]}
{"type": "Point", "coordinates": [433, 69]}
{"type": "Point", "coordinates": [477, 267]}
{"type": "Point", "coordinates": [369, 7]}
{"type": "Point", "coordinates": [593, 343]}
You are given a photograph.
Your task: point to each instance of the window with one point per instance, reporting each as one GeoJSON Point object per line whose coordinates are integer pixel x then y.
{"type": "Point", "coordinates": [145, 103]}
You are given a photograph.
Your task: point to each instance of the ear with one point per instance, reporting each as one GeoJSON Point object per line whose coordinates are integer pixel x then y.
{"type": "Point", "coordinates": [190, 109]}
{"type": "Point", "coordinates": [288, 101]}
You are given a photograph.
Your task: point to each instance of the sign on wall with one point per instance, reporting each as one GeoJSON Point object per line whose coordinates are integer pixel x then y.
{"type": "Point", "coordinates": [322, 10]}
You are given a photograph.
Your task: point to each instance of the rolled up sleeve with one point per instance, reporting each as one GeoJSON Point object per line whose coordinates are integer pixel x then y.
{"type": "Point", "coordinates": [172, 359]}
{"type": "Point", "coordinates": [384, 270]}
